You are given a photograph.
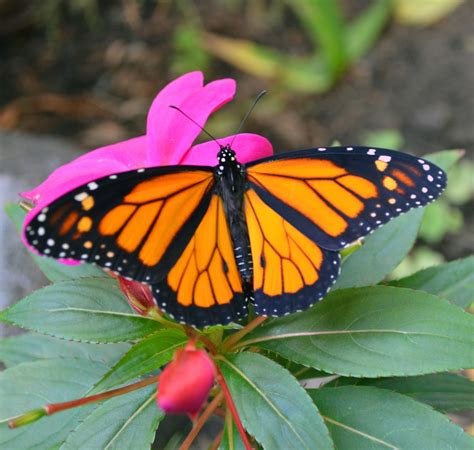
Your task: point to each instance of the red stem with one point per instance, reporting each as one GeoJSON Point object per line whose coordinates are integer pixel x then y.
{"type": "Point", "coordinates": [53, 408]}
{"type": "Point", "coordinates": [56, 407]}
{"type": "Point", "coordinates": [217, 441]}
{"type": "Point", "coordinates": [231, 406]}
{"type": "Point", "coordinates": [200, 422]}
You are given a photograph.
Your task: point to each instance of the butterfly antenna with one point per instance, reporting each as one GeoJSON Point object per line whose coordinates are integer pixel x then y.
{"type": "Point", "coordinates": [197, 124]}
{"type": "Point", "coordinates": [257, 99]}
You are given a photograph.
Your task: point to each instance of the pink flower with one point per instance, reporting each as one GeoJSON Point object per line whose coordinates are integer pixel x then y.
{"type": "Point", "coordinates": [168, 141]}
{"type": "Point", "coordinates": [186, 381]}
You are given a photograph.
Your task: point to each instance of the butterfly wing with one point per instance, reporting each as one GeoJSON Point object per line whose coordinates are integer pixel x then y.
{"type": "Point", "coordinates": [204, 285]}
{"type": "Point", "coordinates": [135, 223]}
{"type": "Point", "coordinates": [337, 195]}
{"type": "Point", "coordinates": [303, 206]}
{"type": "Point", "coordinates": [290, 271]}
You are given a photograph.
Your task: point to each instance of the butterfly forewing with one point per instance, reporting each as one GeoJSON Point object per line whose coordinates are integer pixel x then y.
{"type": "Point", "coordinates": [337, 195]}
{"type": "Point", "coordinates": [135, 223]}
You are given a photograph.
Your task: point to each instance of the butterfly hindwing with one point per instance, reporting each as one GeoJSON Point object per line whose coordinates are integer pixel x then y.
{"type": "Point", "coordinates": [337, 195]}
{"type": "Point", "coordinates": [204, 286]}
{"type": "Point", "coordinates": [135, 223]}
{"type": "Point", "coordinates": [290, 272]}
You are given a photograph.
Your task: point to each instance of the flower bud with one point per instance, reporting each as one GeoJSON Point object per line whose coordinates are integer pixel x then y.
{"type": "Point", "coordinates": [186, 381]}
{"type": "Point", "coordinates": [138, 295]}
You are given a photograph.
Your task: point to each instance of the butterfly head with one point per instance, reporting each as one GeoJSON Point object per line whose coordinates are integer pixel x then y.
{"type": "Point", "coordinates": [226, 161]}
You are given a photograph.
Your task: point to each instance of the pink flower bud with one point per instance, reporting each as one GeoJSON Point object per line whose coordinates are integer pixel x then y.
{"type": "Point", "coordinates": [186, 381]}
{"type": "Point", "coordinates": [138, 295]}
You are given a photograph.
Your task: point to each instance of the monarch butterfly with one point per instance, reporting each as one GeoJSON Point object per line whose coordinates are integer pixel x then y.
{"type": "Point", "coordinates": [209, 240]}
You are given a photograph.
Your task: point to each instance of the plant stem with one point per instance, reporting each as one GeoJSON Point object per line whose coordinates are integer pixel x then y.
{"type": "Point", "coordinates": [215, 444]}
{"type": "Point", "coordinates": [233, 409]}
{"type": "Point", "coordinates": [236, 337]}
{"type": "Point", "coordinates": [200, 422]}
{"type": "Point", "coordinates": [195, 335]}
{"type": "Point", "coordinates": [156, 314]}
{"type": "Point", "coordinates": [53, 408]}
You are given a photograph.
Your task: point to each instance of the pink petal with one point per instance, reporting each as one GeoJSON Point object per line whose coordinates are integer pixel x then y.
{"type": "Point", "coordinates": [170, 134]}
{"type": "Point", "coordinates": [115, 158]}
{"type": "Point", "coordinates": [104, 161]}
{"type": "Point", "coordinates": [171, 94]}
{"type": "Point", "coordinates": [247, 147]}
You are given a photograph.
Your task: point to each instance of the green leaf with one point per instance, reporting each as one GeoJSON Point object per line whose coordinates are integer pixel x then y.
{"type": "Point", "coordinates": [53, 270]}
{"type": "Point", "coordinates": [264, 392]}
{"type": "Point", "coordinates": [445, 392]}
{"type": "Point", "coordinates": [29, 347]}
{"type": "Point", "coordinates": [187, 56]}
{"type": "Point", "coordinates": [56, 271]}
{"type": "Point", "coordinates": [419, 258]}
{"type": "Point", "coordinates": [325, 25]}
{"type": "Point", "coordinates": [384, 249]}
{"type": "Point", "coordinates": [445, 159]}
{"type": "Point", "coordinates": [364, 31]}
{"type": "Point", "coordinates": [299, 371]}
{"type": "Point", "coordinates": [147, 355]}
{"type": "Point", "coordinates": [31, 385]}
{"type": "Point", "coordinates": [461, 185]}
{"type": "Point", "coordinates": [258, 60]}
{"type": "Point", "coordinates": [367, 417]}
{"type": "Point", "coordinates": [440, 219]}
{"type": "Point", "coordinates": [87, 309]}
{"type": "Point", "coordinates": [373, 332]}
{"type": "Point", "coordinates": [290, 72]}
{"type": "Point", "coordinates": [383, 138]}
{"type": "Point", "coordinates": [124, 422]}
{"type": "Point", "coordinates": [453, 281]}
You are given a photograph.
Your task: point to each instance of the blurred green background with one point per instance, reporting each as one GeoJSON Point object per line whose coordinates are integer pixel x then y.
{"type": "Point", "coordinates": [393, 73]}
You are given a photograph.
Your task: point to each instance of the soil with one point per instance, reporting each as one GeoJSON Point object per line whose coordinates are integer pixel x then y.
{"type": "Point", "coordinates": [93, 80]}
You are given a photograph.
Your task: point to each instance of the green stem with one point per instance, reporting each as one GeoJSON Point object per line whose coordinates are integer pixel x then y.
{"type": "Point", "coordinates": [237, 336]}
{"type": "Point", "coordinates": [155, 314]}
{"type": "Point", "coordinates": [195, 335]}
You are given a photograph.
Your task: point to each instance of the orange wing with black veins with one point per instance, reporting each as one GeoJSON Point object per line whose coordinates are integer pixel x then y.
{"type": "Point", "coordinates": [302, 207]}
{"type": "Point", "coordinates": [337, 195]}
{"type": "Point", "coordinates": [134, 223]}
{"type": "Point", "coordinates": [291, 272]}
{"type": "Point", "coordinates": [204, 286]}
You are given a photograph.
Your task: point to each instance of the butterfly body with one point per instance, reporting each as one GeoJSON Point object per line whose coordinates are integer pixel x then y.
{"type": "Point", "coordinates": [231, 184]}
{"type": "Point", "coordinates": [210, 240]}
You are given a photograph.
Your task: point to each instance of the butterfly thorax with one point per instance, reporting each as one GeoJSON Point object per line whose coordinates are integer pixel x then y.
{"type": "Point", "coordinates": [230, 185]}
{"type": "Point", "coordinates": [230, 177]}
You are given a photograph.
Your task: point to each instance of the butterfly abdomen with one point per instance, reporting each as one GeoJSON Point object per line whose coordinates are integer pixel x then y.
{"type": "Point", "coordinates": [230, 185]}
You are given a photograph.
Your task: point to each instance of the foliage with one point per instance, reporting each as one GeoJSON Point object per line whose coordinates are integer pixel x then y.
{"type": "Point", "coordinates": [336, 44]}
{"type": "Point", "coordinates": [387, 347]}
{"type": "Point", "coordinates": [423, 13]}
